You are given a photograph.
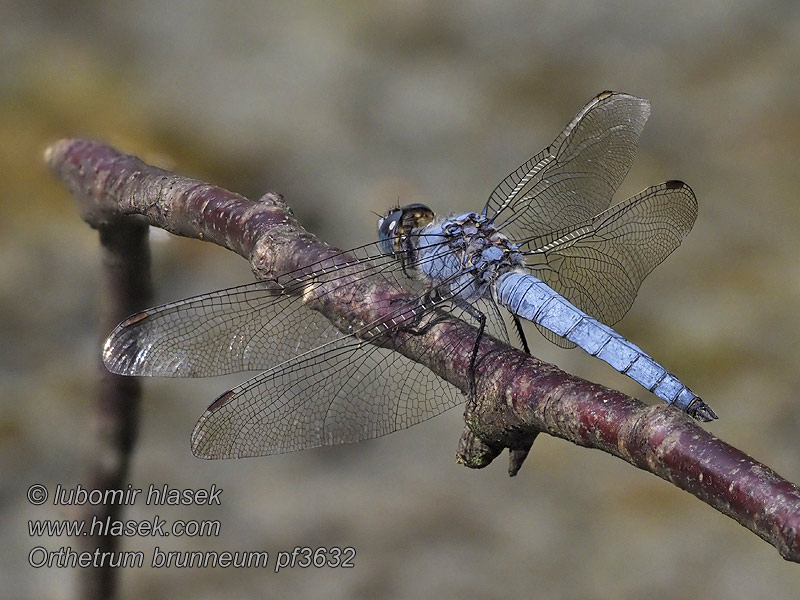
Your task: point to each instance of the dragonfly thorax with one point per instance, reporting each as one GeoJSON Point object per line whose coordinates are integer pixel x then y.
{"type": "Point", "coordinates": [463, 255]}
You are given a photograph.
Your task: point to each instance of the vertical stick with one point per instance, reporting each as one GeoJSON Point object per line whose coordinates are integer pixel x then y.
{"type": "Point", "coordinates": [127, 289]}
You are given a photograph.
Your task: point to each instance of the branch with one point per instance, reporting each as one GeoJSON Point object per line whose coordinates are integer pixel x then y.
{"type": "Point", "coordinates": [517, 395]}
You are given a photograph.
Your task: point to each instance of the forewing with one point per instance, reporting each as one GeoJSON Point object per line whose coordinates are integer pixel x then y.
{"type": "Point", "coordinates": [250, 327]}
{"type": "Point", "coordinates": [575, 177]}
{"type": "Point", "coordinates": [599, 265]}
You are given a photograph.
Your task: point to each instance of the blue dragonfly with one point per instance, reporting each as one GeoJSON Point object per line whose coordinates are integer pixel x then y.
{"type": "Point", "coordinates": [546, 247]}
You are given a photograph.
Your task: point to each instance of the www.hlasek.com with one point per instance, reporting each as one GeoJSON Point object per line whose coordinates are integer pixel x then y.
{"type": "Point", "coordinates": [97, 526]}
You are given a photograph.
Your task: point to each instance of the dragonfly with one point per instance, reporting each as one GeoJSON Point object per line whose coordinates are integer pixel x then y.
{"type": "Point", "coordinates": [547, 247]}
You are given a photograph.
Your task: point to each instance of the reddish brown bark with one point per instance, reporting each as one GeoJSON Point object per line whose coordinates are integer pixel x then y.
{"type": "Point", "coordinates": [517, 395]}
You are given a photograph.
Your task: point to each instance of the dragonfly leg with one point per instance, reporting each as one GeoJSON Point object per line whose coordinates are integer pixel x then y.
{"type": "Point", "coordinates": [481, 318]}
{"type": "Point", "coordinates": [413, 330]}
{"type": "Point", "coordinates": [521, 334]}
{"type": "Point", "coordinates": [474, 357]}
{"type": "Point", "coordinates": [427, 300]}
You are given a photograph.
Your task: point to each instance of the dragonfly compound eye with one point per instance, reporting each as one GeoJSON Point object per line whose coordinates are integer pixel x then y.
{"type": "Point", "coordinates": [395, 227]}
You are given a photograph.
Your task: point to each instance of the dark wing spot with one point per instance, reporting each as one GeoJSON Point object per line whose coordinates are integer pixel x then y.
{"type": "Point", "coordinates": [220, 402]}
{"type": "Point", "coordinates": [133, 319]}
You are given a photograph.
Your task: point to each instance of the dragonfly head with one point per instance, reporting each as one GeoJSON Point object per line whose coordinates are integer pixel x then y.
{"type": "Point", "coordinates": [396, 226]}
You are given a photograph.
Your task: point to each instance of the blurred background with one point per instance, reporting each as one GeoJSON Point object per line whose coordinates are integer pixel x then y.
{"type": "Point", "coordinates": [347, 108]}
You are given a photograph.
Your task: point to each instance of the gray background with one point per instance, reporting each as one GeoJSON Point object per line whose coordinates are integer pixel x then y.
{"type": "Point", "coordinates": [347, 108]}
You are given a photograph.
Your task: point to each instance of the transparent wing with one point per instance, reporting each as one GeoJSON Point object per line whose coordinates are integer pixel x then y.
{"type": "Point", "coordinates": [575, 177]}
{"type": "Point", "coordinates": [600, 264]}
{"type": "Point", "coordinates": [250, 327]}
{"type": "Point", "coordinates": [345, 391]}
